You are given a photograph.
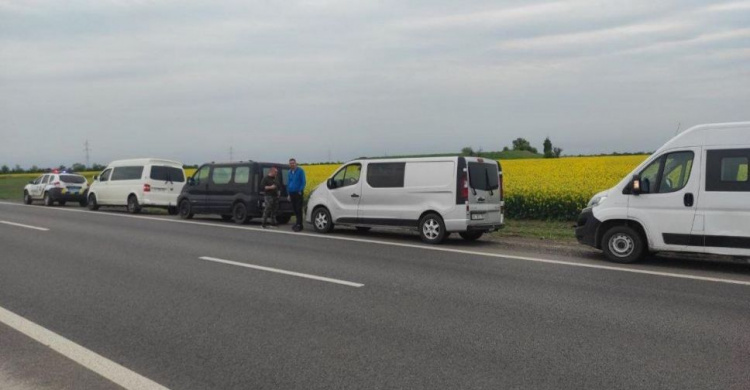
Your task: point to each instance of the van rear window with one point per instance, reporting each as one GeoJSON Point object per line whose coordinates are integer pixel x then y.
{"type": "Point", "coordinates": [483, 176]}
{"type": "Point", "coordinates": [165, 174]}
{"type": "Point", "coordinates": [72, 179]}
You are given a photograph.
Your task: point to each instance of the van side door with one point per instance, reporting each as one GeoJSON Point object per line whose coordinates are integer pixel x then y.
{"type": "Point", "coordinates": [220, 192]}
{"type": "Point", "coordinates": [668, 200]}
{"type": "Point", "coordinates": [345, 192]}
{"type": "Point", "coordinates": [384, 200]}
{"type": "Point", "coordinates": [103, 193]}
{"type": "Point", "coordinates": [724, 205]}
{"type": "Point", "coordinates": [196, 190]}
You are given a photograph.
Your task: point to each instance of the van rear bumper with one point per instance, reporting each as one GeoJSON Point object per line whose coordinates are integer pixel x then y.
{"type": "Point", "coordinates": [586, 228]}
{"type": "Point", "coordinates": [485, 228]}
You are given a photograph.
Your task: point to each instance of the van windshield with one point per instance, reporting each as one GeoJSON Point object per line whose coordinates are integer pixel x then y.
{"type": "Point", "coordinates": [483, 176]}
{"type": "Point", "coordinates": [167, 174]}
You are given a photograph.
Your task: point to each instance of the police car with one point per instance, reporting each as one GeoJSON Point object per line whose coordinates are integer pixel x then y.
{"type": "Point", "coordinates": [59, 187]}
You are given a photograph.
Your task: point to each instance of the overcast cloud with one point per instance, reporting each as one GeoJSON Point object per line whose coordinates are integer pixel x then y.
{"type": "Point", "coordinates": [187, 79]}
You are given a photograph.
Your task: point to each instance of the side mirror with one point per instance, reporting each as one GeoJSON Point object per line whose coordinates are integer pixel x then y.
{"type": "Point", "coordinates": [191, 181]}
{"type": "Point", "coordinates": [636, 186]}
{"type": "Point", "coordinates": [331, 183]}
{"type": "Point", "coordinates": [96, 177]}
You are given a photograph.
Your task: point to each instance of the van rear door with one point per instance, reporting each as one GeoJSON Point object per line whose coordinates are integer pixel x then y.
{"type": "Point", "coordinates": [484, 192]}
{"type": "Point", "coordinates": [166, 184]}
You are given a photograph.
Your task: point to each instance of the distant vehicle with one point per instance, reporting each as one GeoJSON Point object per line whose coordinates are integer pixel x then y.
{"type": "Point", "coordinates": [138, 183]}
{"type": "Point", "coordinates": [436, 196]}
{"type": "Point", "coordinates": [233, 191]}
{"type": "Point", "coordinates": [691, 195]}
{"type": "Point", "coordinates": [60, 187]}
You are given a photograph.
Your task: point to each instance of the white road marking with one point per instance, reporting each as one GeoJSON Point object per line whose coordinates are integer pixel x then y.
{"type": "Point", "coordinates": [24, 226]}
{"type": "Point", "coordinates": [281, 271]}
{"type": "Point", "coordinates": [425, 247]}
{"type": "Point", "coordinates": [89, 359]}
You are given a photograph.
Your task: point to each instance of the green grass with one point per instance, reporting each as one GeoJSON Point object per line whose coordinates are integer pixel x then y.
{"type": "Point", "coordinates": [12, 187]}
{"type": "Point", "coordinates": [548, 230]}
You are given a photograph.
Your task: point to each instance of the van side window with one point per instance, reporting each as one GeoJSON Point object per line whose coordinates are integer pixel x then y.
{"type": "Point", "coordinates": [677, 169]}
{"type": "Point", "coordinates": [727, 170]}
{"type": "Point", "coordinates": [348, 175]}
{"type": "Point", "coordinates": [127, 173]}
{"type": "Point", "coordinates": [201, 175]}
{"type": "Point", "coordinates": [105, 175]}
{"type": "Point", "coordinates": [241, 175]}
{"type": "Point", "coordinates": [386, 175]}
{"type": "Point", "coordinates": [221, 175]}
{"type": "Point", "coordinates": [167, 174]}
{"type": "Point", "coordinates": [668, 173]}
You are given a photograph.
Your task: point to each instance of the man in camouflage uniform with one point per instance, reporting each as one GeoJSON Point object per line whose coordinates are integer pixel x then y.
{"type": "Point", "coordinates": [272, 188]}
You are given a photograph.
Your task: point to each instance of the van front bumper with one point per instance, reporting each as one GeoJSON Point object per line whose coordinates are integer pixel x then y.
{"type": "Point", "coordinates": [587, 227]}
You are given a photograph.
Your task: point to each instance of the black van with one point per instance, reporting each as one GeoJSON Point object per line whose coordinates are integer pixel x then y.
{"type": "Point", "coordinates": [233, 191]}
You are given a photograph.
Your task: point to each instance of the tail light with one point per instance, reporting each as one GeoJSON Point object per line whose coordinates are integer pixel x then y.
{"type": "Point", "coordinates": [502, 187]}
{"type": "Point", "coordinates": [464, 187]}
{"type": "Point", "coordinates": [147, 188]}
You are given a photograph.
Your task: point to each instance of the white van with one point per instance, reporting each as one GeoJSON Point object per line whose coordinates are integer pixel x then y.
{"type": "Point", "coordinates": [138, 183]}
{"type": "Point", "coordinates": [436, 196]}
{"type": "Point", "coordinates": [691, 195]}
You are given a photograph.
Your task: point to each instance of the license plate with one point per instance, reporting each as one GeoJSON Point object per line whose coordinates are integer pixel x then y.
{"type": "Point", "coordinates": [477, 217]}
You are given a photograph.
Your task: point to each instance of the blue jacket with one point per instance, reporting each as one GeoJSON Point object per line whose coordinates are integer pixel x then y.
{"type": "Point", "coordinates": [297, 181]}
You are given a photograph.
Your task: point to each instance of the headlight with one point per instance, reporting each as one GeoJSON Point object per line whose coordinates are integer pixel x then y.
{"type": "Point", "coordinates": [597, 200]}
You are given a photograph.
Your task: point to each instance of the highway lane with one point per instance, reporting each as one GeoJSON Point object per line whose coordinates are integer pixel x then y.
{"type": "Point", "coordinates": [136, 291]}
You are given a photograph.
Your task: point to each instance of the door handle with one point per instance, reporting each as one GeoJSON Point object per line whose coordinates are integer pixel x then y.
{"type": "Point", "coordinates": [355, 196]}
{"type": "Point", "coordinates": [480, 199]}
{"type": "Point", "coordinates": [689, 200]}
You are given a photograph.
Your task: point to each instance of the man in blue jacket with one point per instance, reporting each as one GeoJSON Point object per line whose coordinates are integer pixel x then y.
{"type": "Point", "coordinates": [296, 190]}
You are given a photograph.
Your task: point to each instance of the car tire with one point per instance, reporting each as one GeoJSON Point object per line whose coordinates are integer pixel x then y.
{"type": "Point", "coordinates": [283, 219]}
{"type": "Point", "coordinates": [363, 229]}
{"type": "Point", "coordinates": [226, 217]}
{"type": "Point", "coordinates": [92, 204]}
{"type": "Point", "coordinates": [172, 210]}
{"type": "Point", "coordinates": [27, 199]}
{"type": "Point", "coordinates": [48, 200]}
{"type": "Point", "coordinates": [133, 206]}
{"type": "Point", "coordinates": [432, 229]}
{"type": "Point", "coordinates": [623, 244]}
{"type": "Point", "coordinates": [239, 213]}
{"type": "Point", "coordinates": [471, 235]}
{"type": "Point", "coordinates": [322, 222]}
{"type": "Point", "coordinates": [185, 209]}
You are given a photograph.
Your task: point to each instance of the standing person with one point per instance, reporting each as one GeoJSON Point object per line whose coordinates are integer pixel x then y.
{"type": "Point", "coordinates": [296, 190]}
{"type": "Point", "coordinates": [271, 187]}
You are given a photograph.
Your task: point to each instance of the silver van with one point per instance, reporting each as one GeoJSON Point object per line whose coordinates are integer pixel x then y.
{"type": "Point", "coordinates": [436, 196]}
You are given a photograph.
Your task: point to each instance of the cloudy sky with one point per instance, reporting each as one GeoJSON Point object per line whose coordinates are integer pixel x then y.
{"type": "Point", "coordinates": [187, 79]}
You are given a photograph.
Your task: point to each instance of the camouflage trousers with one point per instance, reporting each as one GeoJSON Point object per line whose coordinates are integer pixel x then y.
{"type": "Point", "coordinates": [272, 205]}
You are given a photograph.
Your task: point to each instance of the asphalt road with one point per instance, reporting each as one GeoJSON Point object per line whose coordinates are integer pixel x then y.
{"type": "Point", "coordinates": [137, 291]}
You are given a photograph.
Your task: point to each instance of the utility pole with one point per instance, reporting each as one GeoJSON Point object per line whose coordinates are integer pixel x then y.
{"type": "Point", "coordinates": [231, 154]}
{"type": "Point", "coordinates": [87, 149]}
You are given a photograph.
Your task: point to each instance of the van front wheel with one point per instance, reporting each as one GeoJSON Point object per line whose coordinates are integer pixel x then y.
{"type": "Point", "coordinates": [432, 229]}
{"type": "Point", "coordinates": [185, 209]}
{"type": "Point", "coordinates": [92, 205]}
{"type": "Point", "coordinates": [622, 244]}
{"type": "Point", "coordinates": [322, 221]}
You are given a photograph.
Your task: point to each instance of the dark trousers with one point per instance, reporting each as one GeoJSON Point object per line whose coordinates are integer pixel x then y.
{"type": "Point", "coordinates": [296, 200]}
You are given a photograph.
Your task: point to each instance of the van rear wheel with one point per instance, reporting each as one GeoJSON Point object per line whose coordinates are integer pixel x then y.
{"type": "Point", "coordinates": [622, 244]}
{"type": "Point", "coordinates": [133, 206]}
{"type": "Point", "coordinates": [322, 221]}
{"type": "Point", "coordinates": [239, 213]}
{"type": "Point", "coordinates": [471, 235]}
{"type": "Point", "coordinates": [432, 229]}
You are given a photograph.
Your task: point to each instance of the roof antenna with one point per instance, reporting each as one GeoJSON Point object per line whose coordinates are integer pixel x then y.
{"type": "Point", "coordinates": [678, 128]}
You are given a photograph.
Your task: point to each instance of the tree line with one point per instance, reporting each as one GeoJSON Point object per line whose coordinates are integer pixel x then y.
{"type": "Point", "coordinates": [519, 145]}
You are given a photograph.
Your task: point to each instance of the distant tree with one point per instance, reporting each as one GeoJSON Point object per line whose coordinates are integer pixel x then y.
{"type": "Point", "coordinates": [97, 167]}
{"type": "Point", "coordinates": [557, 152]}
{"type": "Point", "coordinates": [468, 151]}
{"type": "Point", "coordinates": [522, 144]}
{"type": "Point", "coordinates": [78, 167]}
{"type": "Point", "coordinates": [34, 169]}
{"type": "Point", "coordinates": [548, 153]}
{"type": "Point", "coordinates": [5, 169]}
{"type": "Point", "coordinates": [506, 149]}
{"type": "Point", "coordinates": [62, 167]}
{"type": "Point", "coordinates": [479, 152]}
